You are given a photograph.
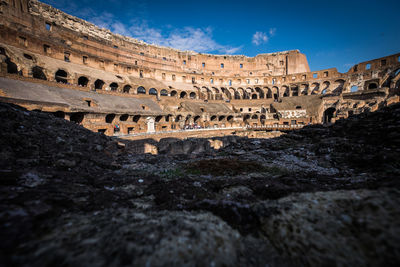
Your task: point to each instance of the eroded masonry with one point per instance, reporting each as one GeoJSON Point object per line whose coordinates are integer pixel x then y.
{"type": "Point", "coordinates": [54, 62]}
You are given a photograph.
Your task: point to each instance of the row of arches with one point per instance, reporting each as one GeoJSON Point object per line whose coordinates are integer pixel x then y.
{"type": "Point", "coordinates": [333, 87]}
{"type": "Point", "coordinates": [111, 118]}
{"type": "Point", "coordinates": [336, 87]}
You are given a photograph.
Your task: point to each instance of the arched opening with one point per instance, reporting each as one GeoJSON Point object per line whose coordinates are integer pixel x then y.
{"type": "Point", "coordinates": [158, 118]}
{"type": "Point", "coordinates": [37, 73]}
{"type": "Point", "coordinates": [12, 68]}
{"type": "Point", "coordinates": [354, 88]}
{"type": "Point", "coordinates": [262, 117]}
{"type": "Point", "coordinates": [254, 96]}
{"type": "Point", "coordinates": [77, 117]}
{"type": "Point", "coordinates": [213, 118]}
{"type": "Point", "coordinates": [113, 87]}
{"type": "Point", "coordinates": [59, 114]}
{"type": "Point", "coordinates": [98, 84]}
{"type": "Point", "coordinates": [304, 89]}
{"type": "Point", "coordinates": [136, 118]}
{"type": "Point", "coordinates": [152, 91]}
{"type": "Point", "coordinates": [254, 117]}
{"type": "Point", "coordinates": [285, 91]}
{"type": "Point", "coordinates": [295, 91]}
{"type": "Point", "coordinates": [275, 91]}
{"type": "Point", "coordinates": [164, 92]}
{"type": "Point", "coordinates": [339, 87]}
{"type": "Point", "coordinates": [229, 118]}
{"type": "Point", "coordinates": [83, 81]}
{"type": "Point", "coordinates": [260, 92]}
{"type": "Point", "coordinates": [110, 118]}
{"type": "Point", "coordinates": [221, 118]}
{"type": "Point", "coordinates": [173, 93]}
{"type": "Point", "coordinates": [141, 90]}
{"type": "Point", "coordinates": [183, 95]}
{"type": "Point", "coordinates": [237, 95]}
{"type": "Point", "coordinates": [315, 88]}
{"type": "Point", "coordinates": [61, 76]}
{"type": "Point", "coordinates": [325, 87]}
{"type": "Point", "coordinates": [127, 88]}
{"type": "Point", "coordinates": [246, 117]}
{"type": "Point", "coordinates": [187, 120]}
{"type": "Point", "coordinates": [178, 118]}
{"type": "Point", "coordinates": [372, 86]}
{"type": "Point", "coordinates": [124, 117]}
{"type": "Point", "coordinates": [328, 115]}
{"type": "Point", "coordinates": [192, 95]}
{"type": "Point", "coordinates": [196, 119]}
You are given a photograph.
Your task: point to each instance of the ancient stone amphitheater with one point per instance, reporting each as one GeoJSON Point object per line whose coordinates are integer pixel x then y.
{"type": "Point", "coordinates": [54, 62]}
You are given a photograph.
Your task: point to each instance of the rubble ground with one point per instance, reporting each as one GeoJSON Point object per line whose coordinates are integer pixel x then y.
{"type": "Point", "coordinates": [317, 196]}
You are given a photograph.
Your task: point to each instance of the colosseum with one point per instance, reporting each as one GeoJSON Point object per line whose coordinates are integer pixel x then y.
{"type": "Point", "coordinates": [117, 85]}
{"type": "Point", "coordinates": [115, 152]}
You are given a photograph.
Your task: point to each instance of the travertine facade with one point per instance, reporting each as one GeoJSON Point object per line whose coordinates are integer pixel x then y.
{"type": "Point", "coordinates": [54, 62]}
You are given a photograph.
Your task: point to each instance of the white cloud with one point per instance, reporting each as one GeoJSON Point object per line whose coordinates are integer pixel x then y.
{"type": "Point", "coordinates": [263, 37]}
{"type": "Point", "coordinates": [187, 38]}
{"type": "Point", "coordinates": [259, 38]}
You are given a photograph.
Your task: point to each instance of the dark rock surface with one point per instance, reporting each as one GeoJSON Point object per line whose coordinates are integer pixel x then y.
{"type": "Point", "coordinates": [318, 196]}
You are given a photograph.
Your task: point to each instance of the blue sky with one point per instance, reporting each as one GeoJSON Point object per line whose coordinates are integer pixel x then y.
{"type": "Point", "coordinates": [331, 33]}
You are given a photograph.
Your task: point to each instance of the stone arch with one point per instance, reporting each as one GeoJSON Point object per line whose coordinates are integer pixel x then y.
{"type": "Point", "coordinates": [314, 88]}
{"type": "Point", "coordinates": [127, 88]}
{"type": "Point", "coordinates": [230, 118]}
{"type": "Point", "coordinates": [254, 117]}
{"type": "Point", "coordinates": [260, 92]}
{"type": "Point", "coordinates": [136, 118]}
{"type": "Point", "coordinates": [226, 92]}
{"type": "Point", "coordinates": [285, 91]}
{"type": "Point", "coordinates": [83, 81]}
{"type": "Point", "coordinates": [372, 85]}
{"type": "Point", "coordinates": [275, 92]}
{"type": "Point", "coordinates": [98, 84]}
{"type": "Point", "coordinates": [192, 95]}
{"type": "Point", "coordinates": [254, 96]}
{"type": "Point", "coordinates": [174, 93]}
{"type": "Point", "coordinates": [163, 92]}
{"type": "Point", "coordinates": [268, 93]}
{"type": "Point", "coordinates": [237, 94]}
{"type": "Point", "coordinates": [187, 119]}
{"type": "Point", "coordinates": [196, 119]}
{"type": "Point", "coordinates": [328, 114]}
{"type": "Point", "coordinates": [304, 89]}
{"type": "Point", "coordinates": [152, 91]}
{"type": "Point", "coordinates": [140, 90]}
{"type": "Point", "coordinates": [294, 90]}
{"type": "Point", "coordinates": [114, 86]}
{"type": "Point", "coordinates": [12, 68]}
{"type": "Point", "coordinates": [37, 73]}
{"type": "Point", "coordinates": [213, 118]}
{"type": "Point", "coordinates": [325, 87]}
{"type": "Point", "coordinates": [158, 118]}
{"type": "Point", "coordinates": [61, 76]}
{"type": "Point", "coordinates": [183, 95]}
{"type": "Point", "coordinates": [110, 118]}
{"type": "Point", "coordinates": [124, 117]}
{"type": "Point", "coordinates": [178, 118]}
{"type": "Point", "coordinates": [339, 85]}
{"type": "Point", "coordinates": [77, 117]}
{"type": "Point", "coordinates": [221, 118]}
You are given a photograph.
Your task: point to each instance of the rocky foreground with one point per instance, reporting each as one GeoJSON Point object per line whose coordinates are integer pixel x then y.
{"type": "Point", "coordinates": [320, 196]}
